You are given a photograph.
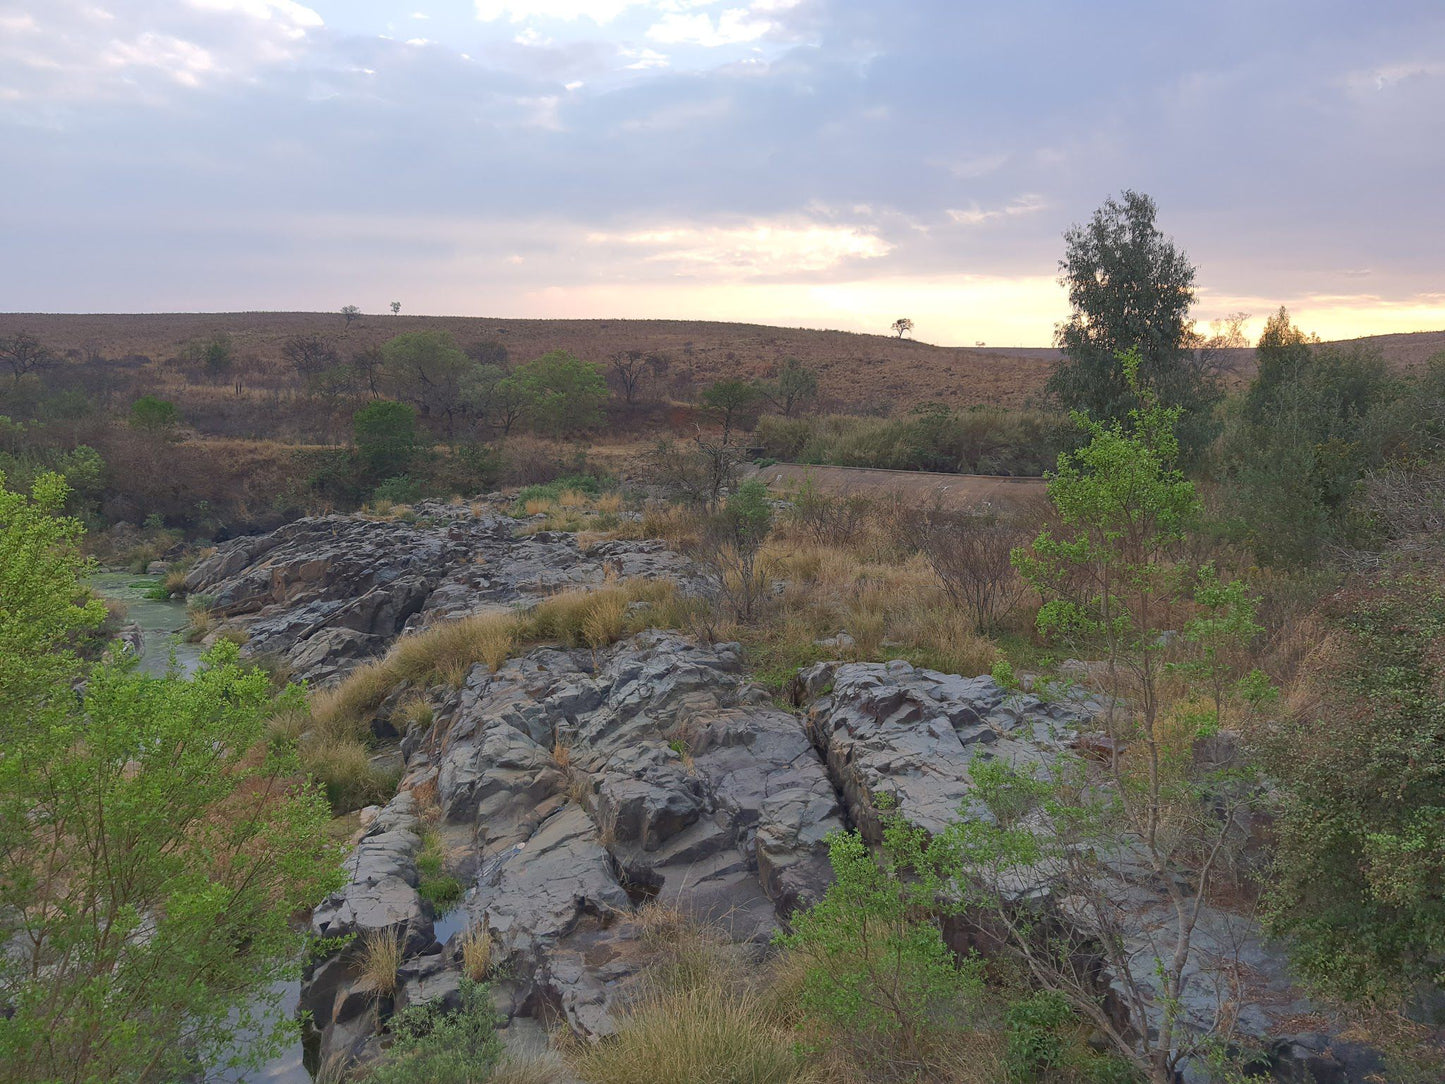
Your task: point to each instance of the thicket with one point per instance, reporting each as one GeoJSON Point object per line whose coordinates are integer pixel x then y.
{"type": "Point", "coordinates": [154, 848]}
{"type": "Point", "coordinates": [985, 440]}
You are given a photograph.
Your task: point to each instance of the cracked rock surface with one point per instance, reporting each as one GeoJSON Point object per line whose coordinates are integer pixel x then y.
{"type": "Point", "coordinates": [326, 593]}
{"type": "Point", "coordinates": [573, 789]}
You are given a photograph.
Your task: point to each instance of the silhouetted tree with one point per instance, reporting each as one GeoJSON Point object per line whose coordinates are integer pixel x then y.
{"type": "Point", "coordinates": [351, 312]}
{"type": "Point", "coordinates": [902, 326]}
{"type": "Point", "coordinates": [309, 354]}
{"type": "Point", "coordinates": [628, 367]}
{"type": "Point", "coordinates": [23, 353]}
{"type": "Point", "coordinates": [396, 308]}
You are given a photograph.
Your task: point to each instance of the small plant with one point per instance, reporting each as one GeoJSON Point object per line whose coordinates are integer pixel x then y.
{"type": "Point", "coordinates": [444, 893]}
{"type": "Point", "coordinates": [380, 960]}
{"type": "Point", "coordinates": [477, 953]}
{"type": "Point", "coordinates": [431, 1045]}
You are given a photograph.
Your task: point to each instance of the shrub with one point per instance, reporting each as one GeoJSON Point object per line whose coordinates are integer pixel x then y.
{"type": "Point", "coordinates": [433, 1046]}
{"type": "Point", "coordinates": [399, 489]}
{"type": "Point", "coordinates": [154, 415]}
{"type": "Point", "coordinates": [385, 433]}
{"type": "Point", "coordinates": [878, 974]}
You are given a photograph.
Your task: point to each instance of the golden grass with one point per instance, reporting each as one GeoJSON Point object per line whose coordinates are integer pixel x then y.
{"type": "Point", "coordinates": [603, 618]}
{"type": "Point", "coordinates": [379, 960]}
{"type": "Point", "coordinates": [537, 506]}
{"type": "Point", "coordinates": [477, 948]}
{"type": "Point", "coordinates": [570, 498]}
{"type": "Point", "coordinates": [611, 503]}
{"type": "Point", "coordinates": [344, 769]}
{"type": "Point", "coordinates": [696, 1036]}
{"type": "Point", "coordinates": [448, 650]}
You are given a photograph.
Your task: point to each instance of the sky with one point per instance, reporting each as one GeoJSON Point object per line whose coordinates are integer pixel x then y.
{"type": "Point", "coordinates": [813, 163]}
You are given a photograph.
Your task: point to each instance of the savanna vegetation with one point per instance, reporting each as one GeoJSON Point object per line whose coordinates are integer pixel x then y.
{"type": "Point", "coordinates": [1243, 561]}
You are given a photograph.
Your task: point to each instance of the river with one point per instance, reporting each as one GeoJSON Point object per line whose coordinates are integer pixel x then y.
{"type": "Point", "coordinates": [163, 621]}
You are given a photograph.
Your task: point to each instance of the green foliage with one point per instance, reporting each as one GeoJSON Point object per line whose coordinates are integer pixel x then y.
{"type": "Point", "coordinates": [428, 370]}
{"type": "Point", "coordinates": [151, 414]}
{"type": "Point", "coordinates": [560, 393]}
{"type": "Point", "coordinates": [794, 388]}
{"type": "Point", "coordinates": [1034, 1027]}
{"type": "Point", "coordinates": [1360, 864]}
{"type": "Point", "coordinates": [1003, 673]}
{"type": "Point", "coordinates": [589, 484]}
{"type": "Point", "coordinates": [43, 605]}
{"type": "Point", "coordinates": [749, 514]}
{"type": "Point", "coordinates": [877, 968]}
{"type": "Point", "coordinates": [1130, 289]}
{"type": "Point", "coordinates": [444, 892]}
{"type": "Point", "coordinates": [1314, 419]}
{"type": "Point", "coordinates": [1110, 577]}
{"type": "Point", "coordinates": [735, 402]}
{"type": "Point", "coordinates": [433, 1046]}
{"type": "Point", "coordinates": [981, 440]}
{"type": "Point", "coordinates": [152, 854]}
{"type": "Point", "coordinates": [398, 489]}
{"type": "Point", "coordinates": [385, 433]}
{"type": "Point", "coordinates": [217, 355]}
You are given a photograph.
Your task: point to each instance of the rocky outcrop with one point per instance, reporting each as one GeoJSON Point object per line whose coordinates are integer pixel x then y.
{"type": "Point", "coordinates": [899, 739]}
{"type": "Point", "coordinates": [328, 592]}
{"type": "Point", "coordinates": [575, 788]}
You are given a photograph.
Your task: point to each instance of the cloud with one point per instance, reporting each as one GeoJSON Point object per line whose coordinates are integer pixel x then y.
{"type": "Point", "coordinates": [753, 250]}
{"type": "Point", "coordinates": [70, 52]}
{"type": "Point", "coordinates": [599, 11]}
{"type": "Point", "coordinates": [732, 27]}
{"type": "Point", "coordinates": [1027, 204]}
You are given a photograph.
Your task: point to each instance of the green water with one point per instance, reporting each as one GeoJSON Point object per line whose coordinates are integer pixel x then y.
{"type": "Point", "coordinates": [163, 622]}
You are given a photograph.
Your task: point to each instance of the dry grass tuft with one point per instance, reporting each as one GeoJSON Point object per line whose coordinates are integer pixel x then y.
{"type": "Point", "coordinates": [380, 959]}
{"type": "Point", "coordinates": [694, 1035]}
{"type": "Point", "coordinates": [344, 769]}
{"type": "Point", "coordinates": [477, 948]}
{"type": "Point", "coordinates": [610, 503]}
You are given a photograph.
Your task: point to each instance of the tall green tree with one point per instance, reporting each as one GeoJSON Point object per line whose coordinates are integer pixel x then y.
{"type": "Point", "coordinates": [154, 846]}
{"type": "Point", "coordinates": [427, 369]}
{"type": "Point", "coordinates": [560, 393]}
{"type": "Point", "coordinates": [1314, 419]}
{"type": "Point", "coordinates": [1130, 288]}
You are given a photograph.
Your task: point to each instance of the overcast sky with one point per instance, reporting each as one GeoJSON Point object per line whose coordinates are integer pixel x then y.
{"type": "Point", "coordinates": [824, 163]}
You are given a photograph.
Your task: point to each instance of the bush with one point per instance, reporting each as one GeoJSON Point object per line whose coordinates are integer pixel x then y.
{"type": "Point", "coordinates": [879, 976]}
{"type": "Point", "coordinates": [154, 415]}
{"type": "Point", "coordinates": [385, 433]}
{"type": "Point", "coordinates": [433, 1046]}
{"type": "Point", "coordinates": [397, 490]}
{"type": "Point", "coordinates": [695, 1035]}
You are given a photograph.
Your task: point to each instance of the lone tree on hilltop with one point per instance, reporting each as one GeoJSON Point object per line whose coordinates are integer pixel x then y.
{"type": "Point", "coordinates": [396, 308]}
{"type": "Point", "coordinates": [902, 326]}
{"type": "Point", "coordinates": [1130, 288]}
{"type": "Point", "coordinates": [351, 312]}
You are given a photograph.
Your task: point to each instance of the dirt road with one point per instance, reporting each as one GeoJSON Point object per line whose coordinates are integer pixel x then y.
{"type": "Point", "coordinates": [951, 490]}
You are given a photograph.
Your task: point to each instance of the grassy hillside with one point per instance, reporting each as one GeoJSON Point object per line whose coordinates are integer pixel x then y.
{"type": "Point", "coordinates": [871, 373]}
